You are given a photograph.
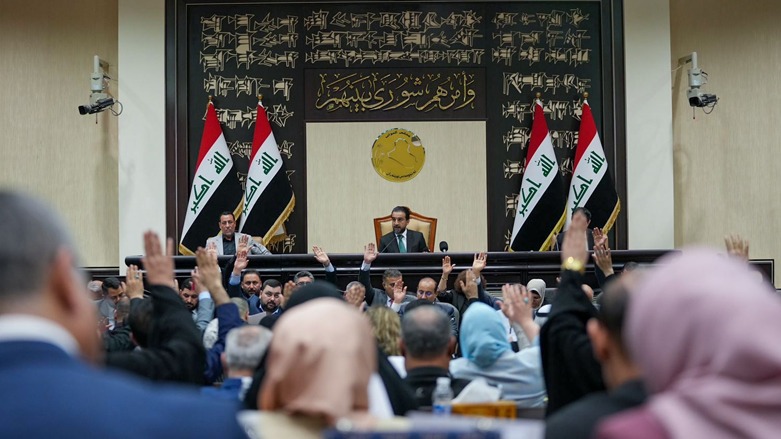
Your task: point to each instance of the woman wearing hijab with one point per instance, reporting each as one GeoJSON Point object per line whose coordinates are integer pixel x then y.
{"type": "Point", "coordinates": [317, 372]}
{"type": "Point", "coordinates": [488, 355]}
{"type": "Point", "coordinates": [710, 374]}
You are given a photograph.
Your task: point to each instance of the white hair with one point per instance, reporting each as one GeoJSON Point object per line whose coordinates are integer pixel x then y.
{"type": "Point", "coordinates": [245, 346]}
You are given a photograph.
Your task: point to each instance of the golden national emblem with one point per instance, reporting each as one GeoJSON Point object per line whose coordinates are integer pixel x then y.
{"type": "Point", "coordinates": [398, 155]}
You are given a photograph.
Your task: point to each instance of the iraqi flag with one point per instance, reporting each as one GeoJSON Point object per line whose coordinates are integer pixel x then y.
{"type": "Point", "coordinates": [591, 186]}
{"type": "Point", "coordinates": [542, 200]}
{"type": "Point", "coordinates": [268, 198]}
{"type": "Point", "coordinates": [216, 187]}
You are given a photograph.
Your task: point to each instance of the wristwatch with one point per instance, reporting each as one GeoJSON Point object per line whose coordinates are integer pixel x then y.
{"type": "Point", "coordinates": [573, 264]}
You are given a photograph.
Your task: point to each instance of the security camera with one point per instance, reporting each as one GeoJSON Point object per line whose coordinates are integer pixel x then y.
{"type": "Point", "coordinates": [99, 100]}
{"type": "Point", "coordinates": [697, 78]}
{"type": "Point", "coordinates": [100, 105]}
{"type": "Point", "coordinates": [700, 99]}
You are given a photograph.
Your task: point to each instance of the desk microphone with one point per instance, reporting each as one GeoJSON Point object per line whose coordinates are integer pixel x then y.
{"type": "Point", "coordinates": [388, 244]}
{"type": "Point", "coordinates": [443, 246]}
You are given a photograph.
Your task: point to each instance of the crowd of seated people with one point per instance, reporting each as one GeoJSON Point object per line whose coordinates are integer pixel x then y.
{"type": "Point", "coordinates": [188, 359]}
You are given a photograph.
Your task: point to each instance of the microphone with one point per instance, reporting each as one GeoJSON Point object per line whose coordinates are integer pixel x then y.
{"type": "Point", "coordinates": [443, 246]}
{"type": "Point", "coordinates": [387, 245]}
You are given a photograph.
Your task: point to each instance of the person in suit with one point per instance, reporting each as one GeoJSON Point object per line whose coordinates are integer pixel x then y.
{"type": "Point", "coordinates": [427, 346]}
{"type": "Point", "coordinates": [585, 215]}
{"type": "Point", "coordinates": [229, 240]}
{"type": "Point", "coordinates": [401, 239]}
{"type": "Point", "coordinates": [48, 345]}
{"type": "Point", "coordinates": [200, 304]}
{"type": "Point", "coordinates": [427, 292]}
{"type": "Point", "coordinates": [621, 375]}
{"type": "Point", "coordinates": [393, 294]}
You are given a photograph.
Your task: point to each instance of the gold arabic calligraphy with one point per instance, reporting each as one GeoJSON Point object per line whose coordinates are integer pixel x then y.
{"type": "Point", "coordinates": [360, 92]}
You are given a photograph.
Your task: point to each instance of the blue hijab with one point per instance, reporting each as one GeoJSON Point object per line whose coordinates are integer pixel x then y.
{"type": "Point", "coordinates": [483, 338]}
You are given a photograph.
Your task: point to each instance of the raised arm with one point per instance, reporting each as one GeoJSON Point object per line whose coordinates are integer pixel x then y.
{"type": "Point", "coordinates": [478, 265]}
{"type": "Point", "coordinates": [207, 273]}
{"type": "Point", "coordinates": [516, 305]}
{"type": "Point", "coordinates": [330, 270]}
{"type": "Point", "coordinates": [364, 274]}
{"type": "Point", "coordinates": [447, 268]}
{"type": "Point", "coordinates": [570, 369]}
{"type": "Point", "coordinates": [175, 351]}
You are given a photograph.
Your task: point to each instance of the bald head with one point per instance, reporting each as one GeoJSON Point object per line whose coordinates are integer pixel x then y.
{"type": "Point", "coordinates": [425, 332]}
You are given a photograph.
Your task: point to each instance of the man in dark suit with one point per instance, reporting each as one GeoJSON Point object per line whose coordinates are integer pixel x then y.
{"type": "Point", "coordinates": [427, 346]}
{"type": "Point", "coordinates": [393, 294]}
{"type": "Point", "coordinates": [401, 239]}
{"type": "Point", "coordinates": [48, 336]}
{"type": "Point", "coordinates": [585, 215]}
{"type": "Point", "coordinates": [621, 375]}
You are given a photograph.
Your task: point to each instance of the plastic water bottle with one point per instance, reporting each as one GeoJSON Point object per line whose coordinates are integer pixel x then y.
{"type": "Point", "coordinates": [442, 398]}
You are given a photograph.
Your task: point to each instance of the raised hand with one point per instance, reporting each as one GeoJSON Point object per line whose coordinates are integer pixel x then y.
{"type": "Point", "coordinates": [517, 306]}
{"type": "Point", "coordinates": [369, 253]}
{"type": "Point", "coordinates": [447, 267]}
{"type": "Point", "coordinates": [737, 246]}
{"type": "Point", "coordinates": [321, 256]}
{"type": "Point", "coordinates": [287, 290]}
{"type": "Point", "coordinates": [355, 295]}
{"type": "Point", "coordinates": [208, 276]}
{"type": "Point", "coordinates": [600, 238]}
{"type": "Point", "coordinates": [574, 244]}
{"type": "Point", "coordinates": [211, 249]}
{"type": "Point", "coordinates": [241, 262]}
{"type": "Point", "coordinates": [399, 292]}
{"type": "Point", "coordinates": [603, 259]}
{"type": "Point", "coordinates": [470, 286]}
{"type": "Point", "coordinates": [159, 266]}
{"type": "Point", "coordinates": [243, 243]}
{"type": "Point", "coordinates": [516, 303]}
{"type": "Point", "coordinates": [479, 263]}
{"type": "Point", "coordinates": [135, 283]}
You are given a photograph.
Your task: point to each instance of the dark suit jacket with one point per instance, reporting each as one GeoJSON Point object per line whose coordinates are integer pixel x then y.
{"type": "Point", "coordinates": [47, 393]}
{"type": "Point", "coordinates": [376, 296]}
{"type": "Point", "coordinates": [589, 240]}
{"type": "Point", "coordinates": [416, 243]}
{"type": "Point", "coordinates": [568, 364]}
{"type": "Point", "coordinates": [423, 380]}
{"type": "Point", "coordinates": [175, 351]}
{"type": "Point", "coordinates": [600, 275]}
{"type": "Point", "coordinates": [580, 419]}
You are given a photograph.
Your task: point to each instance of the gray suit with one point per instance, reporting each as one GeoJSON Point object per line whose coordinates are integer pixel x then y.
{"type": "Point", "coordinates": [255, 247]}
{"type": "Point", "coordinates": [376, 296]}
{"type": "Point", "coordinates": [203, 313]}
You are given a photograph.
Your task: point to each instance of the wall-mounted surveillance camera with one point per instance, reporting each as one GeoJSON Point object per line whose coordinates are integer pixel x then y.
{"type": "Point", "coordinates": [697, 78]}
{"type": "Point", "coordinates": [700, 99]}
{"type": "Point", "coordinates": [99, 106]}
{"type": "Point", "coordinates": [99, 100]}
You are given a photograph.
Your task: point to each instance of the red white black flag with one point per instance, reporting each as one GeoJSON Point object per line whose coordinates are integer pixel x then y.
{"type": "Point", "coordinates": [268, 198]}
{"type": "Point", "coordinates": [215, 188]}
{"type": "Point", "coordinates": [542, 199]}
{"type": "Point", "coordinates": [591, 186]}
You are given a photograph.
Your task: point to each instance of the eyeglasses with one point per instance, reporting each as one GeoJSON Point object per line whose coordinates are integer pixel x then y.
{"type": "Point", "coordinates": [426, 293]}
{"type": "Point", "coordinates": [301, 283]}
